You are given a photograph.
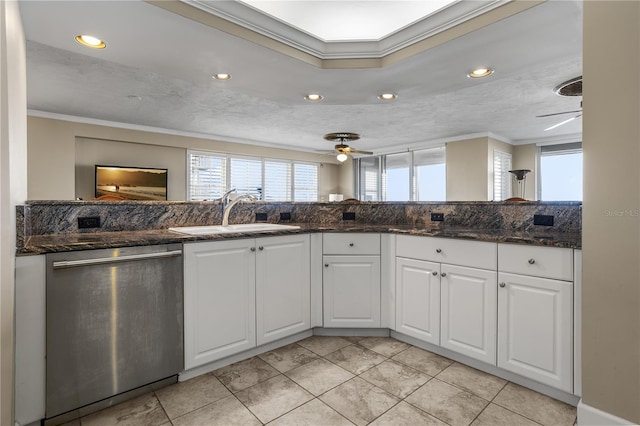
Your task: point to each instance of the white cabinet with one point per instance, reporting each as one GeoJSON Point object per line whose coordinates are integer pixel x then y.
{"type": "Point", "coordinates": [535, 314]}
{"type": "Point", "coordinates": [243, 293]}
{"type": "Point", "coordinates": [418, 299]}
{"type": "Point", "coordinates": [468, 312]}
{"type": "Point", "coordinates": [219, 300]}
{"type": "Point", "coordinates": [456, 308]}
{"type": "Point", "coordinates": [283, 299]}
{"type": "Point", "coordinates": [351, 280]}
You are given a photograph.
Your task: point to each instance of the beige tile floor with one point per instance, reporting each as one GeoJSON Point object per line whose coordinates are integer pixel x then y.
{"type": "Point", "coordinates": [340, 381]}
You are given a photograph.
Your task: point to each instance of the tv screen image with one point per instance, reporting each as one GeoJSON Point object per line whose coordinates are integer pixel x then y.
{"type": "Point", "coordinates": [131, 183]}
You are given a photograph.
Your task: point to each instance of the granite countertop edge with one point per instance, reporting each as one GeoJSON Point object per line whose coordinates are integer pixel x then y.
{"type": "Point", "coordinates": [42, 244]}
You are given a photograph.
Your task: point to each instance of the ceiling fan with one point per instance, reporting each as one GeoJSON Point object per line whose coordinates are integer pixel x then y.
{"type": "Point", "coordinates": [571, 87]}
{"type": "Point", "coordinates": [341, 147]}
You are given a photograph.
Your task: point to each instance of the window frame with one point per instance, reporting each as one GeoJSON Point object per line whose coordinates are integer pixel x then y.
{"type": "Point", "coordinates": [554, 149]}
{"type": "Point", "coordinates": [227, 160]}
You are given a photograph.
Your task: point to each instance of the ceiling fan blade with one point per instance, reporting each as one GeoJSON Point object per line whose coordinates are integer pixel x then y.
{"type": "Point", "coordinates": [357, 151]}
{"type": "Point", "coordinates": [562, 122]}
{"type": "Point", "coordinates": [558, 113]}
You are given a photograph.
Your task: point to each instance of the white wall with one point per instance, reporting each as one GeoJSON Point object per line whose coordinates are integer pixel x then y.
{"type": "Point", "coordinates": [611, 209]}
{"type": "Point", "coordinates": [13, 187]}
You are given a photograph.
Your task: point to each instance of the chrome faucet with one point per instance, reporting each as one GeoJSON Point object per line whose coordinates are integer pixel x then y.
{"type": "Point", "coordinates": [224, 200]}
{"type": "Point", "coordinates": [228, 205]}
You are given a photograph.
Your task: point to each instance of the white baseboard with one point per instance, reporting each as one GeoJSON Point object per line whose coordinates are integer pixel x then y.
{"type": "Point", "coordinates": [591, 416]}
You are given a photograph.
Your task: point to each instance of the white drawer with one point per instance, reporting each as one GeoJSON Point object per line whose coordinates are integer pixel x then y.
{"type": "Point", "coordinates": [350, 243]}
{"type": "Point", "coordinates": [545, 262]}
{"type": "Point", "coordinates": [475, 254]}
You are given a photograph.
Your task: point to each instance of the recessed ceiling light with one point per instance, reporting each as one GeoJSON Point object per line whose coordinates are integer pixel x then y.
{"type": "Point", "coordinates": [222, 76]}
{"type": "Point", "coordinates": [314, 97]}
{"type": "Point", "coordinates": [480, 72]}
{"type": "Point", "coordinates": [387, 96]}
{"type": "Point", "coordinates": [91, 41]}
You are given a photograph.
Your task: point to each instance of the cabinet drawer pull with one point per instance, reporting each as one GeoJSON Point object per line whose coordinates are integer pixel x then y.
{"type": "Point", "coordinates": [351, 244]}
{"type": "Point", "coordinates": [326, 265]}
{"type": "Point", "coordinates": [502, 285]}
{"type": "Point", "coordinates": [260, 248]}
{"type": "Point", "coordinates": [438, 250]}
{"type": "Point", "coordinates": [444, 274]}
{"type": "Point", "coordinates": [532, 261]}
{"type": "Point", "coordinates": [252, 249]}
{"type": "Point", "coordinates": [434, 273]}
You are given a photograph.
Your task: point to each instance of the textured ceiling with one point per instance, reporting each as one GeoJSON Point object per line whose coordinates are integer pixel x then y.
{"type": "Point", "coordinates": [170, 64]}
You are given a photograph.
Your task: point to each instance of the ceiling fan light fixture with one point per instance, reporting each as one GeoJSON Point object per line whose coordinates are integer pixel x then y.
{"type": "Point", "coordinates": [387, 96]}
{"type": "Point", "coordinates": [342, 157]}
{"type": "Point", "coordinates": [314, 97]}
{"type": "Point", "coordinates": [480, 72]}
{"type": "Point", "coordinates": [90, 41]}
{"type": "Point", "coordinates": [222, 76]}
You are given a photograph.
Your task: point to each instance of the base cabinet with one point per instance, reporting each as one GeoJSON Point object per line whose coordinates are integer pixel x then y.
{"type": "Point", "coordinates": [468, 312]}
{"type": "Point", "coordinates": [283, 287]}
{"type": "Point", "coordinates": [535, 320]}
{"type": "Point", "coordinates": [418, 299]}
{"type": "Point", "coordinates": [351, 291]}
{"type": "Point", "coordinates": [243, 293]}
{"type": "Point", "coordinates": [219, 300]}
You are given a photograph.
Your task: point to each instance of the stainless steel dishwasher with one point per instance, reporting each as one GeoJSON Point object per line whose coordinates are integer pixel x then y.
{"type": "Point", "coordinates": [114, 322]}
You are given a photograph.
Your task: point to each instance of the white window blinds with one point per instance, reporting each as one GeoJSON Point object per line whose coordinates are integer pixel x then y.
{"type": "Point", "coordinates": [210, 175]}
{"type": "Point", "coordinates": [207, 176]}
{"type": "Point", "coordinates": [501, 175]}
{"type": "Point", "coordinates": [305, 186]}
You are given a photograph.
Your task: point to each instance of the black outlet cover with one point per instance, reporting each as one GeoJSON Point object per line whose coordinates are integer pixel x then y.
{"type": "Point", "coordinates": [348, 216]}
{"type": "Point", "coordinates": [437, 217]}
{"type": "Point", "coordinates": [543, 219]}
{"type": "Point", "coordinates": [285, 215]}
{"type": "Point", "coordinates": [89, 222]}
{"type": "Point", "coordinates": [261, 217]}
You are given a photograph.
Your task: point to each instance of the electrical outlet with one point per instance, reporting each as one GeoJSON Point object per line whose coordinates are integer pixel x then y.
{"type": "Point", "coordinates": [89, 222]}
{"type": "Point", "coordinates": [437, 217]}
{"type": "Point", "coordinates": [285, 216]}
{"type": "Point", "coordinates": [348, 216]}
{"type": "Point", "coordinates": [261, 217]}
{"type": "Point", "coordinates": [543, 219]}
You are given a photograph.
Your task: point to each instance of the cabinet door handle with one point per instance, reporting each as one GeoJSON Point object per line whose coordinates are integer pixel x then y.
{"type": "Point", "coordinates": [434, 273]}
{"type": "Point", "coordinates": [444, 274]}
{"type": "Point", "coordinates": [326, 265]}
{"type": "Point", "coordinates": [252, 249]}
{"type": "Point", "coordinates": [532, 261]}
{"type": "Point", "coordinates": [438, 250]}
{"type": "Point", "coordinates": [351, 244]}
{"type": "Point", "coordinates": [260, 248]}
{"type": "Point", "coordinates": [502, 285]}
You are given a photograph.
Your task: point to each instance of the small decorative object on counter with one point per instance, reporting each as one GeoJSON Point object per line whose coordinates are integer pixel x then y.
{"type": "Point", "coordinates": [519, 184]}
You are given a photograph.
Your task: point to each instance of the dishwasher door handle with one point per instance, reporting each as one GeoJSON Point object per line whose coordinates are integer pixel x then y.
{"type": "Point", "coordinates": [105, 260]}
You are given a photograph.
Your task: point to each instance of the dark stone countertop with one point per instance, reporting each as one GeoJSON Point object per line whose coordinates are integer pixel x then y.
{"type": "Point", "coordinates": [41, 244]}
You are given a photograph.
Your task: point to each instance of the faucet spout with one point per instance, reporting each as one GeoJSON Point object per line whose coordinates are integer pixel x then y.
{"type": "Point", "coordinates": [228, 206]}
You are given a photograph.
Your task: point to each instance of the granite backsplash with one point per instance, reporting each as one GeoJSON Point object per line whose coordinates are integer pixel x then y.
{"type": "Point", "coordinates": [61, 217]}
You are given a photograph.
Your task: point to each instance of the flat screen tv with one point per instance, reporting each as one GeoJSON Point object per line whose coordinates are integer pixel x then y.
{"type": "Point", "coordinates": [130, 183]}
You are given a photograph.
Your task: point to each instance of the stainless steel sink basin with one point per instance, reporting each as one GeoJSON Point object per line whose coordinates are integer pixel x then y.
{"type": "Point", "coordinates": [244, 227]}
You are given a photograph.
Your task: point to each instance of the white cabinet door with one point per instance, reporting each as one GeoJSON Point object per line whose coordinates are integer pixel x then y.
{"type": "Point", "coordinates": [283, 287]}
{"type": "Point", "coordinates": [219, 300]}
{"type": "Point", "coordinates": [418, 299]}
{"type": "Point", "coordinates": [351, 291]}
{"type": "Point", "coordinates": [468, 311]}
{"type": "Point", "coordinates": [535, 329]}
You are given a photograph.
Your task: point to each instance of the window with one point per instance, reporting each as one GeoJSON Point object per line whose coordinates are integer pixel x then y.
{"type": "Point", "coordinates": [396, 183]}
{"type": "Point", "coordinates": [210, 175]}
{"type": "Point", "coordinates": [368, 178]}
{"type": "Point", "coordinates": [501, 176]}
{"type": "Point", "coordinates": [430, 175]}
{"type": "Point", "coordinates": [407, 176]}
{"type": "Point", "coordinates": [560, 177]}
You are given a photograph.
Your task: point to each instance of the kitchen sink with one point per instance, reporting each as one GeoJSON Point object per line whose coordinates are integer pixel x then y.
{"type": "Point", "coordinates": [244, 227]}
